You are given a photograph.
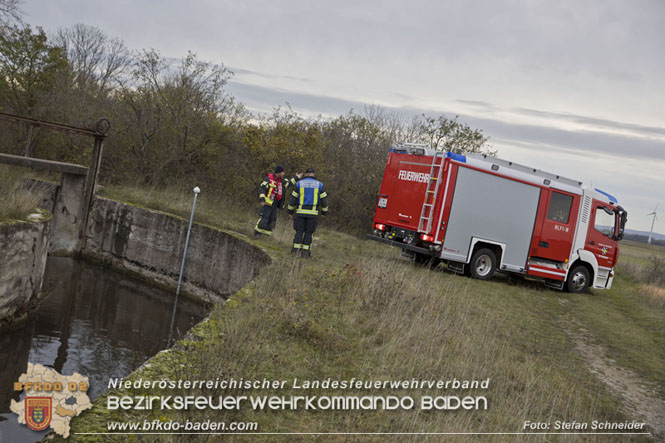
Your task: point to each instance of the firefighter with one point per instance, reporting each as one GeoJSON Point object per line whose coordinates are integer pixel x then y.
{"type": "Point", "coordinates": [295, 179]}
{"type": "Point", "coordinates": [307, 199]}
{"type": "Point", "coordinates": [271, 197]}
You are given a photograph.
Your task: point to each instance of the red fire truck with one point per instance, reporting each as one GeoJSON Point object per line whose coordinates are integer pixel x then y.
{"type": "Point", "coordinates": [480, 214]}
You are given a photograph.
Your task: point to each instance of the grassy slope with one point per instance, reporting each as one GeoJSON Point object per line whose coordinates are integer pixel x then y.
{"type": "Point", "coordinates": [17, 200]}
{"type": "Point", "coordinates": [629, 320]}
{"type": "Point", "coordinates": [357, 310]}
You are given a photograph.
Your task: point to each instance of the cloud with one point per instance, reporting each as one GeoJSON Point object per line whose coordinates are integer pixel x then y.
{"type": "Point", "coordinates": [582, 141]}
{"type": "Point", "coordinates": [263, 99]}
{"type": "Point", "coordinates": [478, 104]}
{"type": "Point", "coordinates": [597, 122]}
{"type": "Point", "coordinates": [249, 72]}
{"type": "Point", "coordinates": [583, 81]}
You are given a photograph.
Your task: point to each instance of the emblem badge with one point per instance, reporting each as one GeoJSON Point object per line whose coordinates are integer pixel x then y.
{"type": "Point", "coordinates": [38, 412]}
{"type": "Point", "coordinates": [604, 251]}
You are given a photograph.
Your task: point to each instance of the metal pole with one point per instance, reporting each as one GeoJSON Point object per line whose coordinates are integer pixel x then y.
{"type": "Point", "coordinates": [89, 189]}
{"type": "Point", "coordinates": [29, 143]}
{"type": "Point", "coordinates": [182, 266]}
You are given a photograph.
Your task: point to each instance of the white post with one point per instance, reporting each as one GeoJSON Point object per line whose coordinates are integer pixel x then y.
{"type": "Point", "coordinates": [182, 265]}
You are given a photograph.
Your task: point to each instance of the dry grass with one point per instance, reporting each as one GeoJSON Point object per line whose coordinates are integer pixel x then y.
{"type": "Point", "coordinates": [655, 293]}
{"type": "Point", "coordinates": [645, 265]}
{"type": "Point", "coordinates": [210, 208]}
{"type": "Point", "coordinates": [382, 319]}
{"type": "Point", "coordinates": [357, 310]}
{"type": "Point", "coordinates": [17, 198]}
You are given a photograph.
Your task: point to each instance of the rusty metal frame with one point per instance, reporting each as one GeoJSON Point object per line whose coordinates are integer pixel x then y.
{"type": "Point", "coordinates": [99, 131]}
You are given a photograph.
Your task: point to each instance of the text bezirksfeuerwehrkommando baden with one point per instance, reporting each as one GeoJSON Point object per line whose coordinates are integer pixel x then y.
{"type": "Point", "coordinates": [323, 401]}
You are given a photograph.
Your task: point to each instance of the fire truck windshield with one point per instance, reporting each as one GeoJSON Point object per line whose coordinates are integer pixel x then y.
{"type": "Point", "coordinates": [605, 221]}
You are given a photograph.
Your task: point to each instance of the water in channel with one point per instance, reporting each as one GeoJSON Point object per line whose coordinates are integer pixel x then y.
{"type": "Point", "coordinates": [93, 321]}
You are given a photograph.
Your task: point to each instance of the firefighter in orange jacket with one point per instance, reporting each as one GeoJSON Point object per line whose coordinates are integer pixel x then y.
{"type": "Point", "coordinates": [307, 199]}
{"type": "Point", "coordinates": [271, 196]}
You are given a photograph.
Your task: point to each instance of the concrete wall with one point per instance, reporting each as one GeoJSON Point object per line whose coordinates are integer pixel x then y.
{"type": "Point", "coordinates": [23, 250]}
{"type": "Point", "coordinates": [67, 217]}
{"type": "Point", "coordinates": [150, 243]}
{"type": "Point", "coordinates": [64, 202]}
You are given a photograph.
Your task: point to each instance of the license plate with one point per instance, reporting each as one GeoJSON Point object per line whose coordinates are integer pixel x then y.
{"type": "Point", "coordinates": [383, 202]}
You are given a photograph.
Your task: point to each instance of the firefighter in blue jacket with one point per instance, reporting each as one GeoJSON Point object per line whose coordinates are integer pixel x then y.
{"type": "Point", "coordinates": [307, 199]}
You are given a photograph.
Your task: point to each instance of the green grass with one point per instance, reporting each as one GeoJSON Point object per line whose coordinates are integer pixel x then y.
{"type": "Point", "coordinates": [629, 320]}
{"type": "Point", "coordinates": [356, 309]}
{"type": "Point", "coordinates": [17, 199]}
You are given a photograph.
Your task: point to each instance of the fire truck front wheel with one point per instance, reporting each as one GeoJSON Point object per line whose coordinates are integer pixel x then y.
{"type": "Point", "coordinates": [579, 279]}
{"type": "Point", "coordinates": [483, 264]}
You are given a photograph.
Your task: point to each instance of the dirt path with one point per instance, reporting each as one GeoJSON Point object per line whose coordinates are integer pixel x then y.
{"type": "Point", "coordinates": [624, 382]}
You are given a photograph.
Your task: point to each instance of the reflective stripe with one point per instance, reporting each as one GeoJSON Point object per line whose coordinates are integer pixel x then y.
{"type": "Point", "coordinates": [324, 209]}
{"type": "Point", "coordinates": [271, 190]}
{"type": "Point", "coordinates": [324, 194]}
{"type": "Point", "coordinates": [305, 247]}
{"type": "Point", "coordinates": [262, 196]}
{"type": "Point", "coordinates": [262, 231]}
{"type": "Point", "coordinates": [316, 198]}
{"type": "Point", "coordinates": [302, 198]}
{"type": "Point", "coordinates": [307, 211]}
{"type": "Point", "coordinates": [297, 246]}
{"type": "Point", "coordinates": [291, 208]}
{"type": "Point", "coordinates": [264, 183]}
{"type": "Point", "coordinates": [295, 194]}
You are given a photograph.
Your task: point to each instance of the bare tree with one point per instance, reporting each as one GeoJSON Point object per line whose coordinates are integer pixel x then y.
{"type": "Point", "coordinates": [394, 125]}
{"type": "Point", "coordinates": [175, 112]}
{"type": "Point", "coordinates": [10, 10]}
{"type": "Point", "coordinates": [449, 134]}
{"type": "Point", "coordinates": [97, 60]}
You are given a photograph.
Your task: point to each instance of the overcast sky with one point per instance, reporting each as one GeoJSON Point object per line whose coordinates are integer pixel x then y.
{"type": "Point", "coordinates": [572, 87]}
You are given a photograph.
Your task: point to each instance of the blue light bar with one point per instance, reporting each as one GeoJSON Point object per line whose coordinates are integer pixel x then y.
{"type": "Point", "coordinates": [612, 199]}
{"type": "Point", "coordinates": [459, 157]}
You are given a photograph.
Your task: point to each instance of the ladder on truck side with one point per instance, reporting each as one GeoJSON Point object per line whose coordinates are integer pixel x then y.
{"type": "Point", "coordinates": [433, 185]}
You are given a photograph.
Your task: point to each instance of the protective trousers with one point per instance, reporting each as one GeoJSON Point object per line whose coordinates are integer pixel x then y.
{"type": "Point", "coordinates": [267, 220]}
{"type": "Point", "coordinates": [305, 227]}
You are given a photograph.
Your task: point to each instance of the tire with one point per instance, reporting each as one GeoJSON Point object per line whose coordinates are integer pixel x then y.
{"type": "Point", "coordinates": [483, 264]}
{"type": "Point", "coordinates": [579, 280]}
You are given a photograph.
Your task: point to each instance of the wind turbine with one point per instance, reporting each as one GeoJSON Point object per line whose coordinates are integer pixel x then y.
{"type": "Point", "coordinates": [655, 217]}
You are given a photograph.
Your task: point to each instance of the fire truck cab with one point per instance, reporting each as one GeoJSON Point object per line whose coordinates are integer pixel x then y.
{"type": "Point", "coordinates": [480, 214]}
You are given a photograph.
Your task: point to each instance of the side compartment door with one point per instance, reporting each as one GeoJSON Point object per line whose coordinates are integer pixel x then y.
{"type": "Point", "coordinates": [558, 226]}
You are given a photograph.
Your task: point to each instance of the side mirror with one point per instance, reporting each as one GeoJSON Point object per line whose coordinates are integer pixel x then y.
{"type": "Point", "coordinates": [622, 217]}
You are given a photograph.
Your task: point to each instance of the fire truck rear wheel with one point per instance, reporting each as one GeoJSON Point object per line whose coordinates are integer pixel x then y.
{"type": "Point", "coordinates": [579, 279]}
{"type": "Point", "coordinates": [483, 264]}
